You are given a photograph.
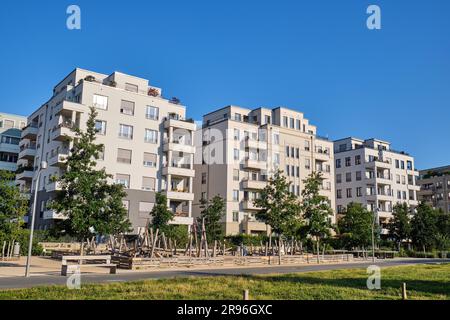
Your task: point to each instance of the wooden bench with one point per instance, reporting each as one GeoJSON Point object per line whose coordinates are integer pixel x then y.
{"type": "Point", "coordinates": [71, 268]}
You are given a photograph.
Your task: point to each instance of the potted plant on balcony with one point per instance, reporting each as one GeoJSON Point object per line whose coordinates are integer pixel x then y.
{"type": "Point", "coordinates": [89, 78]}
{"type": "Point", "coordinates": [153, 92]}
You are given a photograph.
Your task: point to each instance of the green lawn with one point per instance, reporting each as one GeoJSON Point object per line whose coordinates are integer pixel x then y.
{"type": "Point", "coordinates": [423, 282]}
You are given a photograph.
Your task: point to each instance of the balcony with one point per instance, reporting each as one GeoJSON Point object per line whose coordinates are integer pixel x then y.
{"type": "Point", "coordinates": [69, 106]}
{"type": "Point", "coordinates": [254, 184]}
{"type": "Point", "coordinates": [63, 131]}
{"type": "Point", "coordinates": [179, 170]}
{"type": "Point", "coordinates": [322, 154]}
{"type": "Point", "coordinates": [53, 186]}
{"type": "Point", "coordinates": [252, 225]}
{"type": "Point", "coordinates": [254, 164]}
{"type": "Point", "coordinates": [385, 180]}
{"type": "Point", "coordinates": [249, 205]}
{"type": "Point", "coordinates": [58, 160]}
{"type": "Point", "coordinates": [182, 218]}
{"type": "Point", "coordinates": [27, 151]}
{"type": "Point", "coordinates": [30, 131]}
{"type": "Point", "coordinates": [181, 195]}
{"type": "Point", "coordinates": [378, 164]}
{"type": "Point", "coordinates": [9, 148]}
{"type": "Point", "coordinates": [25, 174]}
{"type": "Point", "coordinates": [8, 166]}
{"type": "Point", "coordinates": [180, 124]}
{"type": "Point", "coordinates": [255, 144]}
{"type": "Point", "coordinates": [178, 147]}
{"type": "Point", "coordinates": [53, 215]}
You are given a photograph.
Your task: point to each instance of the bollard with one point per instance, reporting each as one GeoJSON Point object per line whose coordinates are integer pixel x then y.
{"type": "Point", "coordinates": [246, 295]}
{"type": "Point", "coordinates": [404, 294]}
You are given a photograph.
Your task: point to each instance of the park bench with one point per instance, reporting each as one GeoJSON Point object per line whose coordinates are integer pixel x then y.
{"type": "Point", "coordinates": [94, 262]}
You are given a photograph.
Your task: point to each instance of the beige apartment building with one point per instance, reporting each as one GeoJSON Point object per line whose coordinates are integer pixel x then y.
{"type": "Point", "coordinates": [148, 143]}
{"type": "Point", "coordinates": [371, 173]}
{"type": "Point", "coordinates": [10, 129]}
{"type": "Point", "coordinates": [435, 187]}
{"type": "Point", "coordinates": [241, 148]}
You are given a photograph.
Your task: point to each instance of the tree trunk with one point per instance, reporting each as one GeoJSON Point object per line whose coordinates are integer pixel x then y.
{"type": "Point", "coordinates": [318, 250]}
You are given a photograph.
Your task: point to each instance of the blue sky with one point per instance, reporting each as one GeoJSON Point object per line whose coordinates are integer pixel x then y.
{"type": "Point", "coordinates": [314, 56]}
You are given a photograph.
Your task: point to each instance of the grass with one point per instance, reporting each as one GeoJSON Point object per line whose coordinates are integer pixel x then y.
{"type": "Point", "coordinates": [423, 282]}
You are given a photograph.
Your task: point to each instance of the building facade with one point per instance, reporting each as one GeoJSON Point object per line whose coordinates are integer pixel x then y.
{"type": "Point", "coordinates": [10, 131]}
{"type": "Point", "coordinates": [148, 143]}
{"type": "Point", "coordinates": [371, 173]}
{"type": "Point", "coordinates": [435, 187]}
{"type": "Point", "coordinates": [241, 148]}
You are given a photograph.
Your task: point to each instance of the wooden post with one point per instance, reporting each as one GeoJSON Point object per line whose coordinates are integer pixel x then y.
{"type": "Point", "coordinates": [267, 249]}
{"type": "Point", "coordinates": [3, 249]}
{"type": "Point", "coordinates": [404, 294]}
{"type": "Point", "coordinates": [280, 243]}
{"type": "Point", "coordinates": [270, 243]}
{"type": "Point", "coordinates": [246, 295]}
{"type": "Point", "coordinates": [214, 249]}
{"type": "Point", "coordinates": [154, 243]}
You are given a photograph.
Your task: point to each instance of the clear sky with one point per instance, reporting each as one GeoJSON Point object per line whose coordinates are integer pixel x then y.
{"type": "Point", "coordinates": [314, 56]}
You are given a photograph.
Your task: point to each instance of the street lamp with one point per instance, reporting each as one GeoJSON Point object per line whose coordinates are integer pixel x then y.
{"type": "Point", "coordinates": [33, 215]}
{"type": "Point", "coordinates": [375, 217]}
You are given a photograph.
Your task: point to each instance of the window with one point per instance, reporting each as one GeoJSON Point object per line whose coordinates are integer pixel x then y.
{"type": "Point", "coordinates": [306, 145]}
{"type": "Point", "coordinates": [397, 178]}
{"type": "Point", "coordinates": [145, 208]}
{"type": "Point", "coordinates": [338, 163]}
{"type": "Point", "coordinates": [276, 159]}
{"type": "Point", "coordinates": [203, 177]}
{"type": "Point", "coordinates": [127, 107]}
{"type": "Point", "coordinates": [236, 134]}
{"type": "Point", "coordinates": [338, 178]}
{"type": "Point", "coordinates": [340, 209]}
{"type": "Point", "coordinates": [285, 121]}
{"type": "Point", "coordinates": [131, 87]}
{"type": "Point", "coordinates": [203, 196]}
{"type": "Point", "coordinates": [399, 195]}
{"type": "Point", "coordinates": [298, 172]}
{"type": "Point", "coordinates": [403, 180]}
{"type": "Point", "coordinates": [276, 138]}
{"type": "Point", "coordinates": [358, 176]}
{"type": "Point", "coordinates": [10, 140]}
{"type": "Point", "coordinates": [297, 124]}
{"type": "Point", "coordinates": [237, 117]}
{"type": "Point", "coordinates": [152, 113]}
{"type": "Point", "coordinates": [235, 216]}
{"type": "Point", "coordinates": [349, 192]}
{"type": "Point", "coordinates": [409, 165]}
{"type": "Point", "coordinates": [267, 119]}
{"type": "Point", "coordinates": [235, 195]}
{"type": "Point", "coordinates": [150, 160]}
{"type": "Point", "coordinates": [123, 179]}
{"type": "Point", "coordinates": [402, 164]}
{"type": "Point", "coordinates": [339, 194]}
{"type": "Point", "coordinates": [348, 177]}
{"type": "Point", "coordinates": [100, 127]}
{"type": "Point", "coordinates": [287, 170]}
{"type": "Point", "coordinates": [357, 160]}
{"type": "Point", "coordinates": [287, 151]}
{"type": "Point", "coordinates": [342, 147]}
{"type": "Point", "coordinates": [101, 154]}
{"type": "Point", "coordinates": [151, 136]}
{"type": "Point", "coordinates": [126, 131]}
{"type": "Point", "coordinates": [297, 153]}
{"type": "Point", "coordinates": [348, 161]}
{"type": "Point", "coordinates": [397, 164]}
{"type": "Point", "coordinates": [148, 184]}
{"type": "Point", "coordinates": [100, 102]}
{"type": "Point", "coordinates": [307, 164]}
{"type": "Point", "coordinates": [124, 156]}
{"type": "Point", "coordinates": [236, 154]}
{"type": "Point", "coordinates": [359, 192]}
{"type": "Point", "coordinates": [292, 122]}
{"type": "Point", "coordinates": [235, 174]}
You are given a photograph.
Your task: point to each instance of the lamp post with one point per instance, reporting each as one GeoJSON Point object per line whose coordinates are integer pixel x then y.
{"type": "Point", "coordinates": [375, 217]}
{"type": "Point", "coordinates": [33, 215]}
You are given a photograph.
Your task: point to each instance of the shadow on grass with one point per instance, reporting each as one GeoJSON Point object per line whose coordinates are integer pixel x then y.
{"type": "Point", "coordinates": [425, 286]}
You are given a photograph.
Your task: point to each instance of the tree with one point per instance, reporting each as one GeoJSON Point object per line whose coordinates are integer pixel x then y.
{"type": "Point", "coordinates": [442, 237]}
{"type": "Point", "coordinates": [400, 225]}
{"type": "Point", "coordinates": [279, 207]}
{"type": "Point", "coordinates": [13, 207]}
{"type": "Point", "coordinates": [161, 214]}
{"type": "Point", "coordinates": [355, 227]}
{"type": "Point", "coordinates": [213, 211]}
{"type": "Point", "coordinates": [91, 204]}
{"type": "Point", "coordinates": [316, 209]}
{"type": "Point", "coordinates": [424, 227]}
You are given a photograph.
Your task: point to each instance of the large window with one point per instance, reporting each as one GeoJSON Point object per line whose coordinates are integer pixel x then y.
{"type": "Point", "coordinates": [126, 131]}
{"type": "Point", "coordinates": [123, 179]}
{"type": "Point", "coordinates": [151, 136]}
{"type": "Point", "coordinates": [100, 126]}
{"type": "Point", "coordinates": [127, 107]}
{"type": "Point", "coordinates": [124, 156]}
{"type": "Point", "coordinates": [150, 160]}
{"type": "Point", "coordinates": [100, 102]}
{"type": "Point", "coordinates": [148, 184]}
{"type": "Point", "coordinates": [152, 113]}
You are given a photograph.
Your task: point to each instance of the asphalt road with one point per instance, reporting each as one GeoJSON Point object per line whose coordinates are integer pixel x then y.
{"type": "Point", "coordinates": [124, 276]}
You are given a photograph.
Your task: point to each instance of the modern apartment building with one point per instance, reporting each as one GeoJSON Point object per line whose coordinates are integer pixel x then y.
{"type": "Point", "coordinates": [435, 187]}
{"type": "Point", "coordinates": [371, 173]}
{"type": "Point", "coordinates": [148, 143]}
{"type": "Point", "coordinates": [10, 130]}
{"type": "Point", "coordinates": [241, 148]}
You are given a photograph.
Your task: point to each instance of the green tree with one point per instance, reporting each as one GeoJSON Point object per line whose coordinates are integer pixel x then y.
{"type": "Point", "coordinates": [316, 209]}
{"type": "Point", "coordinates": [212, 211]}
{"type": "Point", "coordinates": [91, 204]}
{"type": "Point", "coordinates": [161, 214]}
{"type": "Point", "coordinates": [400, 225]}
{"type": "Point", "coordinates": [13, 207]}
{"type": "Point", "coordinates": [279, 207]}
{"type": "Point", "coordinates": [443, 235]}
{"type": "Point", "coordinates": [355, 227]}
{"type": "Point", "coordinates": [424, 227]}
